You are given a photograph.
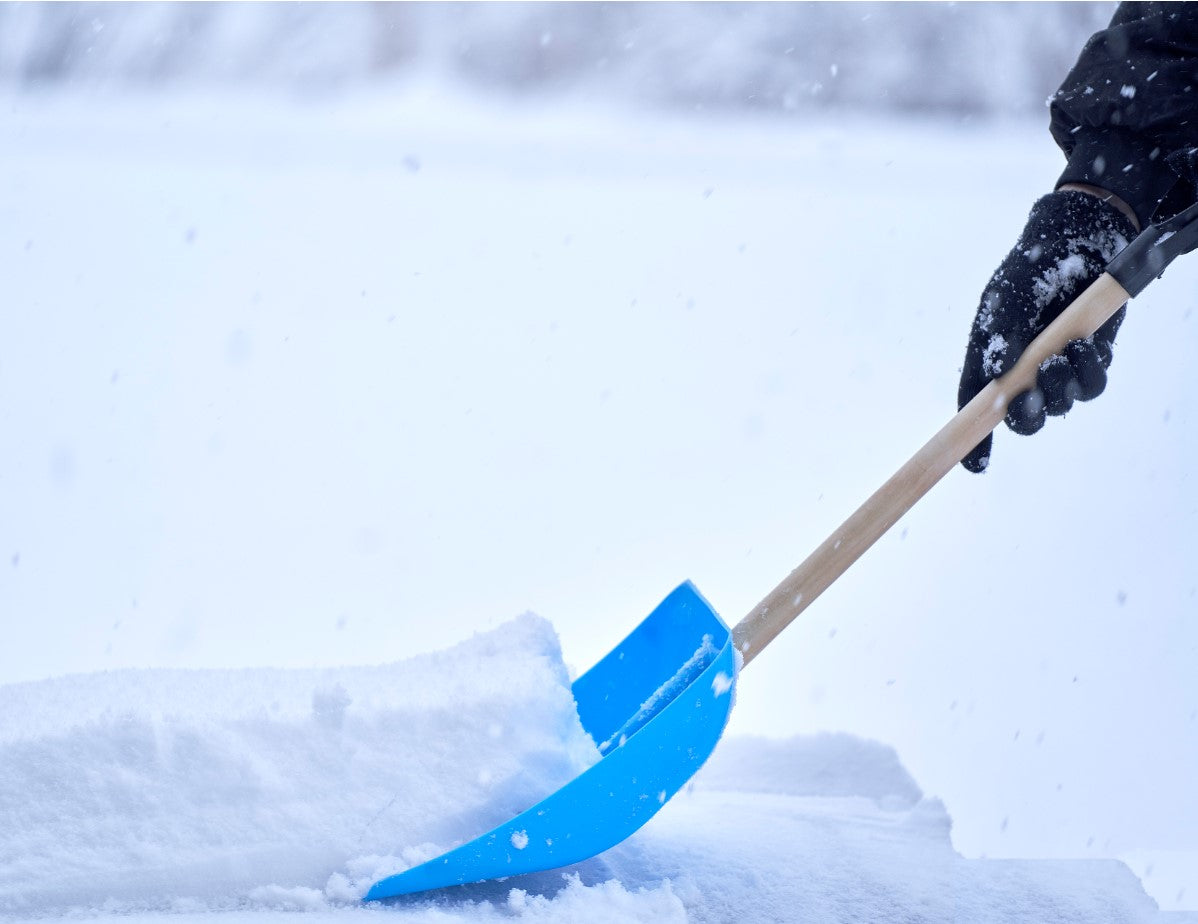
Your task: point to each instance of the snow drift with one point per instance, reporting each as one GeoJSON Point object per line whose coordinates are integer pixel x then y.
{"type": "Point", "coordinates": [167, 791]}
{"type": "Point", "coordinates": [140, 788]}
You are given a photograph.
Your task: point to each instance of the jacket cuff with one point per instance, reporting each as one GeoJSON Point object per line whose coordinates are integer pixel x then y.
{"type": "Point", "coordinates": [1121, 162]}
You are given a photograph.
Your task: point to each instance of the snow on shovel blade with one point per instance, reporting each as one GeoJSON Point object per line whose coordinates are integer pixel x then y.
{"type": "Point", "coordinates": [656, 706]}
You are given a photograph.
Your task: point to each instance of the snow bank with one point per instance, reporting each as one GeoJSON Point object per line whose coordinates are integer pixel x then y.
{"type": "Point", "coordinates": [152, 789]}
{"type": "Point", "coordinates": [774, 857]}
{"type": "Point", "coordinates": [833, 828]}
{"type": "Point", "coordinates": [239, 797]}
{"type": "Point", "coordinates": [826, 765]}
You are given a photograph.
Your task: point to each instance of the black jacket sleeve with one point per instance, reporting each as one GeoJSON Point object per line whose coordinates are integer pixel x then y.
{"type": "Point", "coordinates": [1127, 114]}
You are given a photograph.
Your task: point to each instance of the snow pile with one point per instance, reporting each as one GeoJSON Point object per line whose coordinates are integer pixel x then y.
{"type": "Point", "coordinates": [826, 765]}
{"type": "Point", "coordinates": [775, 857]}
{"type": "Point", "coordinates": [240, 796]}
{"type": "Point", "coordinates": [145, 789]}
{"type": "Point", "coordinates": [832, 828]}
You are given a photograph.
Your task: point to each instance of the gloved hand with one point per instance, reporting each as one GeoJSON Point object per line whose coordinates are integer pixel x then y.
{"type": "Point", "coordinates": [1069, 238]}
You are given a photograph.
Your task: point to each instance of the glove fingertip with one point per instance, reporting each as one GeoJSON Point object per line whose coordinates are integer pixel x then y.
{"type": "Point", "coordinates": [978, 459]}
{"type": "Point", "coordinates": [1027, 413]}
{"type": "Point", "coordinates": [1089, 370]}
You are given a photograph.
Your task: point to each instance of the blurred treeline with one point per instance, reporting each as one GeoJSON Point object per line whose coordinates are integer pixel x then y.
{"type": "Point", "coordinates": [973, 58]}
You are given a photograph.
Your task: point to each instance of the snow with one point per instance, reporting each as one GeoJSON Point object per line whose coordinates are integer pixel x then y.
{"type": "Point", "coordinates": [1060, 277]}
{"type": "Point", "coordinates": [277, 402]}
{"type": "Point", "coordinates": [691, 668]}
{"type": "Point", "coordinates": [994, 355]}
{"type": "Point", "coordinates": [230, 794]}
{"type": "Point", "coordinates": [144, 788]}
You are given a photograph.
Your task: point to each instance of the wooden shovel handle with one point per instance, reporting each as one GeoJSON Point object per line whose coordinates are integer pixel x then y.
{"type": "Point", "coordinates": [940, 454]}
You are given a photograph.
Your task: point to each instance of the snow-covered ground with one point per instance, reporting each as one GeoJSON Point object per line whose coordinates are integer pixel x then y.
{"type": "Point", "coordinates": [315, 383]}
{"type": "Point", "coordinates": [236, 794]}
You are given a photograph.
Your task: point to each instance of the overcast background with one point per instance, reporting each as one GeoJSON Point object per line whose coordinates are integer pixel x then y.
{"type": "Point", "coordinates": [979, 59]}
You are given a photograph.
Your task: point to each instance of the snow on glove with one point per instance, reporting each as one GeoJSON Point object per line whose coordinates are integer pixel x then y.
{"type": "Point", "coordinates": [1069, 238]}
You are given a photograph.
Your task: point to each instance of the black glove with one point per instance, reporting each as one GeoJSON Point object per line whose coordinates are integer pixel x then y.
{"type": "Point", "coordinates": [1069, 238]}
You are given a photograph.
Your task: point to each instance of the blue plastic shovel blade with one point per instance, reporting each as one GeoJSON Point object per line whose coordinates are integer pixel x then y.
{"type": "Point", "coordinates": [656, 705]}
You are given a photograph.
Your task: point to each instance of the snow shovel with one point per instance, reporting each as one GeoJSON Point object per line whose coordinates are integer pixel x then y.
{"type": "Point", "coordinates": [657, 704]}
